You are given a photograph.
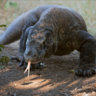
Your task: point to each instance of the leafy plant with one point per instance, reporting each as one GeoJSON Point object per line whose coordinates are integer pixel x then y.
{"type": "Point", "coordinates": [1, 47]}
{"type": "Point", "coordinates": [71, 71]}
{"type": "Point", "coordinates": [3, 25]}
{"type": "Point", "coordinates": [10, 4]}
{"type": "Point", "coordinates": [3, 59]}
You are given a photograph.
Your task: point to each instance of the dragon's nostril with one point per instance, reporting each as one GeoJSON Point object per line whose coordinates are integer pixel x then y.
{"type": "Point", "coordinates": [32, 53]}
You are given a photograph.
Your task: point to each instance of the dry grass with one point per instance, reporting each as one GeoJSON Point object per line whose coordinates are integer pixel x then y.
{"type": "Point", "coordinates": [86, 8]}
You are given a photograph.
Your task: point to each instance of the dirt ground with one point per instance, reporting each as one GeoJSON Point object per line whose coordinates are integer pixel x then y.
{"type": "Point", "coordinates": [57, 79]}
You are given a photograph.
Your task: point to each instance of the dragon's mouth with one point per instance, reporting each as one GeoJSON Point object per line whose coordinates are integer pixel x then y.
{"type": "Point", "coordinates": [29, 65]}
{"type": "Point", "coordinates": [38, 65]}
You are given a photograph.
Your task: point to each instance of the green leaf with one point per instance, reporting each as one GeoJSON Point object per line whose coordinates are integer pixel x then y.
{"type": "Point", "coordinates": [72, 70]}
{"type": "Point", "coordinates": [2, 46]}
{"type": "Point", "coordinates": [3, 25]}
{"type": "Point", "coordinates": [4, 59]}
{"type": "Point", "coordinates": [7, 5]}
{"type": "Point", "coordinates": [10, 4]}
{"type": "Point", "coordinates": [0, 49]}
{"type": "Point", "coordinates": [13, 4]}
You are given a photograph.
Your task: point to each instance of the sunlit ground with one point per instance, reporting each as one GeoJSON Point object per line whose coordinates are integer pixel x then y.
{"type": "Point", "coordinates": [51, 81]}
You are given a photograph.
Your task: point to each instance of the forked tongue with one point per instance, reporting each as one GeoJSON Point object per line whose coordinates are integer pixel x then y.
{"type": "Point", "coordinates": [28, 68]}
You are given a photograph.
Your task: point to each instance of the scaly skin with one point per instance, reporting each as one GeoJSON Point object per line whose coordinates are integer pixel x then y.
{"type": "Point", "coordinates": [59, 31]}
{"type": "Point", "coordinates": [53, 30]}
{"type": "Point", "coordinates": [14, 30]}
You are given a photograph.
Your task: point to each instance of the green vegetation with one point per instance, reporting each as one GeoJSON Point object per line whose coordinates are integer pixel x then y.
{"type": "Point", "coordinates": [11, 4]}
{"type": "Point", "coordinates": [3, 25]}
{"type": "Point", "coordinates": [3, 59]}
{"type": "Point", "coordinates": [87, 8]}
{"type": "Point", "coordinates": [1, 47]}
